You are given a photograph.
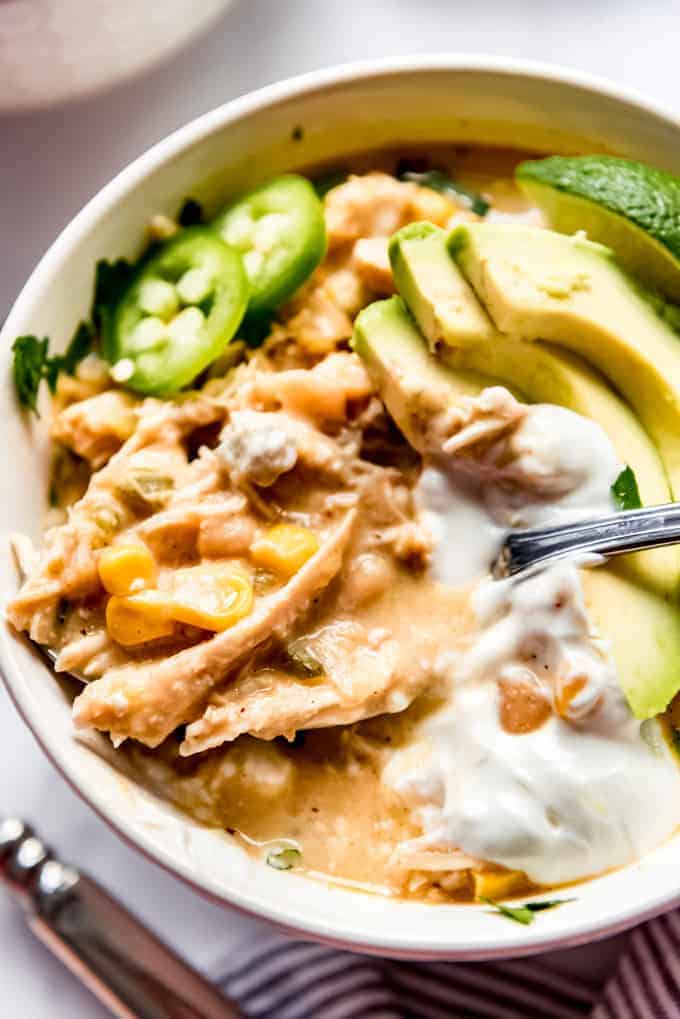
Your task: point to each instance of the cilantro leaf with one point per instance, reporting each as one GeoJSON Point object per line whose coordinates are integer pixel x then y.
{"type": "Point", "coordinates": [79, 347]}
{"type": "Point", "coordinates": [30, 356]}
{"type": "Point", "coordinates": [111, 280]}
{"type": "Point", "coordinates": [538, 907]}
{"type": "Point", "coordinates": [32, 363]}
{"type": "Point", "coordinates": [327, 181]}
{"type": "Point", "coordinates": [625, 491]}
{"type": "Point", "coordinates": [524, 914]}
{"type": "Point", "coordinates": [254, 331]}
{"type": "Point", "coordinates": [191, 213]}
{"type": "Point", "coordinates": [438, 181]}
{"type": "Point", "coordinates": [283, 858]}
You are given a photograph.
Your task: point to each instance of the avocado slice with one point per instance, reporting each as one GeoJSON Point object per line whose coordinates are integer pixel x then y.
{"type": "Point", "coordinates": [641, 625]}
{"type": "Point", "coordinates": [538, 284]}
{"type": "Point", "coordinates": [414, 386]}
{"type": "Point", "coordinates": [643, 633]}
{"type": "Point", "coordinates": [436, 293]}
{"type": "Point", "coordinates": [536, 372]}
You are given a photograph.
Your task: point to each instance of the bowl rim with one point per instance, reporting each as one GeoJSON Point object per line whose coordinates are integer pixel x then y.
{"type": "Point", "coordinates": [124, 182]}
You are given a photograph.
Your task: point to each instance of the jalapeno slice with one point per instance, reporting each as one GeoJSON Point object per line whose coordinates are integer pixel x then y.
{"type": "Point", "coordinates": [178, 314]}
{"type": "Point", "coordinates": [280, 231]}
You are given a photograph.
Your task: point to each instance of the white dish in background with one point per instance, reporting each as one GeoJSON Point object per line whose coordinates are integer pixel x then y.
{"type": "Point", "coordinates": [340, 111]}
{"type": "Point", "coordinates": [55, 50]}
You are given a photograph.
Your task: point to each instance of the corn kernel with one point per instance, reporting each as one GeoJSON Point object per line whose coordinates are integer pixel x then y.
{"type": "Point", "coordinates": [566, 692]}
{"type": "Point", "coordinates": [138, 619]}
{"type": "Point", "coordinates": [498, 884]}
{"type": "Point", "coordinates": [211, 597]}
{"type": "Point", "coordinates": [284, 549]}
{"type": "Point", "coordinates": [124, 569]}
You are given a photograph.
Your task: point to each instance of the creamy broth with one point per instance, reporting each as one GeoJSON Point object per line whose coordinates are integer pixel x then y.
{"type": "Point", "coordinates": [324, 790]}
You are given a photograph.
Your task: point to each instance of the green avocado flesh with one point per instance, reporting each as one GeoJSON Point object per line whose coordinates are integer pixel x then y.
{"type": "Point", "coordinates": [535, 372]}
{"type": "Point", "coordinates": [414, 386]}
{"type": "Point", "coordinates": [638, 620]}
{"type": "Point", "coordinates": [437, 295]}
{"type": "Point", "coordinates": [643, 632]}
{"type": "Point", "coordinates": [538, 284]}
{"type": "Point", "coordinates": [628, 206]}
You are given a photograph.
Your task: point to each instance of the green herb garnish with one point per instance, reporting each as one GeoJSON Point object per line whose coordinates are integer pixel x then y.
{"type": "Point", "coordinates": [255, 331]}
{"type": "Point", "coordinates": [284, 858]}
{"type": "Point", "coordinates": [30, 355]}
{"type": "Point", "coordinates": [79, 347]}
{"type": "Point", "coordinates": [33, 363]}
{"type": "Point", "coordinates": [327, 181]}
{"type": "Point", "coordinates": [144, 490]}
{"type": "Point", "coordinates": [191, 213]}
{"type": "Point", "coordinates": [438, 181]}
{"type": "Point", "coordinates": [525, 913]}
{"type": "Point", "coordinates": [111, 280]}
{"type": "Point", "coordinates": [299, 660]}
{"type": "Point", "coordinates": [625, 491]}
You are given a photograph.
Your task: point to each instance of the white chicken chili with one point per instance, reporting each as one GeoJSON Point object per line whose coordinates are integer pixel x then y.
{"type": "Point", "coordinates": [286, 451]}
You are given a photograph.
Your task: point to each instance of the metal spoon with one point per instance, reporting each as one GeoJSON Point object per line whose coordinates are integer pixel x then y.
{"type": "Point", "coordinates": [132, 972]}
{"type": "Point", "coordinates": [615, 534]}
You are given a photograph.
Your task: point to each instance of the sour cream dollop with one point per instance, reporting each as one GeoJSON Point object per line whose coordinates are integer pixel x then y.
{"type": "Point", "coordinates": [560, 803]}
{"type": "Point", "coordinates": [589, 788]}
{"type": "Point", "coordinates": [554, 466]}
{"type": "Point", "coordinates": [578, 795]}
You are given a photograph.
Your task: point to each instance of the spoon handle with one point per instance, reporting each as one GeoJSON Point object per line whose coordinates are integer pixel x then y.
{"type": "Point", "coordinates": [615, 534]}
{"type": "Point", "coordinates": [131, 971]}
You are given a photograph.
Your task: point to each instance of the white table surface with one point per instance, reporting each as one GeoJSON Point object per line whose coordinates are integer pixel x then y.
{"type": "Point", "coordinates": [51, 162]}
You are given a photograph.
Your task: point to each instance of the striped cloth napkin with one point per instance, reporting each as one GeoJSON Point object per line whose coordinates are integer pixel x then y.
{"type": "Point", "coordinates": [275, 977]}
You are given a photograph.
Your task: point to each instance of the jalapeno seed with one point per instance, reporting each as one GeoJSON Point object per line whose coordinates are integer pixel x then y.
{"type": "Point", "coordinates": [158, 297]}
{"type": "Point", "coordinates": [194, 286]}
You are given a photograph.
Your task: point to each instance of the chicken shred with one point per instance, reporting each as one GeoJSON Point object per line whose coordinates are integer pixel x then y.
{"type": "Point", "coordinates": [97, 427]}
{"type": "Point", "coordinates": [359, 681]}
{"type": "Point", "coordinates": [147, 702]}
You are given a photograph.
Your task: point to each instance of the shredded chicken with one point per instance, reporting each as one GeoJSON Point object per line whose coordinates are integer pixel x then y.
{"type": "Point", "coordinates": [320, 394]}
{"type": "Point", "coordinates": [257, 440]}
{"type": "Point", "coordinates": [479, 421]}
{"type": "Point", "coordinates": [124, 490]}
{"type": "Point", "coordinates": [97, 427]}
{"type": "Point", "coordinates": [376, 205]}
{"type": "Point", "coordinates": [91, 377]}
{"type": "Point", "coordinates": [360, 680]}
{"type": "Point", "coordinates": [148, 702]}
{"type": "Point", "coordinates": [372, 263]}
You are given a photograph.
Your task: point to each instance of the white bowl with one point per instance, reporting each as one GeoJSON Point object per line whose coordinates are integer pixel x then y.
{"type": "Point", "coordinates": [424, 99]}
